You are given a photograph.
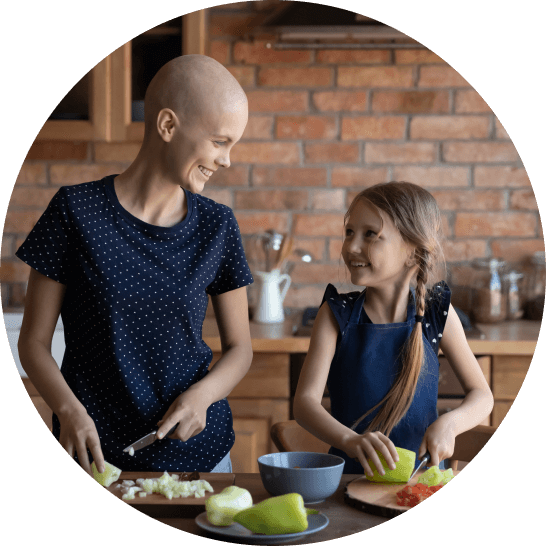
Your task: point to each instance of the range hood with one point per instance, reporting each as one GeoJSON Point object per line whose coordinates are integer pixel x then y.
{"type": "Point", "coordinates": [307, 22]}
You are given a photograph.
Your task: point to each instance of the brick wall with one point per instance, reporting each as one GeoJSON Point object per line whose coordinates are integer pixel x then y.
{"type": "Point", "coordinates": [323, 125]}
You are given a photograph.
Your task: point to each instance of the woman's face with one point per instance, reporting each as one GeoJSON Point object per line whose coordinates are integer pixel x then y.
{"type": "Point", "coordinates": [203, 144]}
{"type": "Point", "coordinates": [373, 249]}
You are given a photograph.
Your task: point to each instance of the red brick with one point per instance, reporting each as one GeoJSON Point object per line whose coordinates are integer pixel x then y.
{"type": "Point", "coordinates": [57, 150]}
{"type": "Point", "coordinates": [258, 53]}
{"type": "Point", "coordinates": [314, 247]}
{"type": "Point", "coordinates": [266, 152]}
{"type": "Point", "coordinates": [334, 249]}
{"type": "Point", "coordinates": [272, 199]}
{"type": "Point", "coordinates": [469, 199]}
{"type": "Point", "coordinates": [289, 176]}
{"type": "Point", "coordinates": [500, 131]}
{"type": "Point", "coordinates": [32, 197]}
{"type": "Point", "coordinates": [461, 250]}
{"type": "Point", "coordinates": [353, 56]}
{"type": "Point", "coordinates": [411, 152]}
{"type": "Point", "coordinates": [358, 176]}
{"type": "Point", "coordinates": [259, 127]}
{"type": "Point", "coordinates": [495, 224]}
{"type": "Point", "coordinates": [468, 101]}
{"type": "Point", "coordinates": [278, 101]}
{"type": "Point", "coordinates": [21, 221]}
{"type": "Point", "coordinates": [219, 51]}
{"type": "Point", "coordinates": [446, 225]}
{"type": "Point", "coordinates": [416, 56]}
{"type": "Point", "coordinates": [295, 77]}
{"type": "Point", "coordinates": [384, 76]}
{"type": "Point", "coordinates": [516, 250]}
{"type": "Point", "coordinates": [251, 223]}
{"type": "Point", "coordinates": [232, 24]}
{"type": "Point", "coordinates": [236, 175]}
{"type": "Point", "coordinates": [318, 224]}
{"type": "Point", "coordinates": [306, 127]}
{"type": "Point", "coordinates": [336, 101]}
{"type": "Point", "coordinates": [68, 174]}
{"type": "Point", "coordinates": [245, 75]}
{"type": "Point", "coordinates": [501, 177]}
{"type": "Point", "coordinates": [315, 273]}
{"type": "Point", "coordinates": [480, 152]}
{"type": "Point", "coordinates": [462, 276]}
{"type": "Point", "coordinates": [16, 271]}
{"type": "Point", "coordinates": [433, 176]}
{"type": "Point", "coordinates": [32, 174]}
{"type": "Point", "coordinates": [116, 151]}
{"type": "Point", "coordinates": [411, 102]}
{"type": "Point", "coordinates": [304, 296]}
{"type": "Point", "coordinates": [373, 127]}
{"type": "Point", "coordinates": [523, 200]}
{"type": "Point", "coordinates": [328, 200]}
{"type": "Point", "coordinates": [332, 152]}
{"type": "Point", "coordinates": [222, 196]}
{"type": "Point", "coordinates": [443, 127]}
{"type": "Point", "coordinates": [441, 76]}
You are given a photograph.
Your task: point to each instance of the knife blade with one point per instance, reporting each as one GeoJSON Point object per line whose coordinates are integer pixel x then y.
{"type": "Point", "coordinates": [147, 440]}
{"type": "Point", "coordinates": [424, 460]}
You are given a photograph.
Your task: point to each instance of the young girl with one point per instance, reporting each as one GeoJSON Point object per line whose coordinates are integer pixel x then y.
{"type": "Point", "coordinates": [377, 350]}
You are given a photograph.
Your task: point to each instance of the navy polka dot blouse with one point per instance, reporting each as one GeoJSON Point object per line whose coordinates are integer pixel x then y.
{"type": "Point", "coordinates": [133, 311]}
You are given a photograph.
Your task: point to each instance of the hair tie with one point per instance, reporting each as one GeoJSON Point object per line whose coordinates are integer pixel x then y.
{"type": "Point", "coordinates": [419, 318]}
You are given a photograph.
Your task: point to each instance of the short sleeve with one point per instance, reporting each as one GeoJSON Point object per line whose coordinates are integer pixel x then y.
{"type": "Point", "coordinates": [341, 305]}
{"type": "Point", "coordinates": [234, 271]}
{"type": "Point", "coordinates": [439, 299]}
{"type": "Point", "coordinates": [46, 247]}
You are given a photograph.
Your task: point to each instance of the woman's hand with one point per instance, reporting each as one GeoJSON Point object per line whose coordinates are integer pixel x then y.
{"type": "Point", "coordinates": [78, 433]}
{"type": "Point", "coordinates": [189, 410]}
{"type": "Point", "coordinates": [439, 440]}
{"type": "Point", "coordinates": [363, 447]}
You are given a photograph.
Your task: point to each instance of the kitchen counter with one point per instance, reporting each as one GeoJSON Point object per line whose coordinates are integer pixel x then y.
{"type": "Point", "coordinates": [517, 337]}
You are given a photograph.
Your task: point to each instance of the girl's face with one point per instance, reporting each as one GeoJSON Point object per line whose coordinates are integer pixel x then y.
{"type": "Point", "coordinates": [373, 249]}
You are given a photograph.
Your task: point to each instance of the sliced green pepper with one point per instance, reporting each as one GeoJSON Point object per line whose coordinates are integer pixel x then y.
{"type": "Point", "coordinates": [223, 506]}
{"type": "Point", "coordinates": [276, 516]}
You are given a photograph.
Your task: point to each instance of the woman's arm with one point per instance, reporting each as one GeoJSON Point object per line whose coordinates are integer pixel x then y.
{"type": "Point", "coordinates": [189, 409]}
{"type": "Point", "coordinates": [43, 303]}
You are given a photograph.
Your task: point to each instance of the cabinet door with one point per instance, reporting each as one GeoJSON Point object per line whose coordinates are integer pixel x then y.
{"type": "Point", "coordinates": [449, 385]}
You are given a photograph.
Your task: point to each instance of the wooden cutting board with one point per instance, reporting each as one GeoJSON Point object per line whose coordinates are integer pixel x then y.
{"type": "Point", "coordinates": [378, 498]}
{"type": "Point", "coordinates": [159, 506]}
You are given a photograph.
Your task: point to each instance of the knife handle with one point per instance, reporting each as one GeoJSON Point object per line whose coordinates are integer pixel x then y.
{"type": "Point", "coordinates": [426, 458]}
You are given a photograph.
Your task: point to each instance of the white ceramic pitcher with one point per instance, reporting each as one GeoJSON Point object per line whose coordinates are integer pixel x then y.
{"type": "Point", "coordinates": [270, 297]}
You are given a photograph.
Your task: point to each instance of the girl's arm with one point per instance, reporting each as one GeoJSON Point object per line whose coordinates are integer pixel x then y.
{"type": "Point", "coordinates": [190, 408]}
{"type": "Point", "coordinates": [477, 404]}
{"type": "Point", "coordinates": [43, 303]}
{"type": "Point", "coordinates": [310, 413]}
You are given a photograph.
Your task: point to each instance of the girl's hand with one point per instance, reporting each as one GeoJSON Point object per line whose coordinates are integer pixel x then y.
{"type": "Point", "coordinates": [78, 433]}
{"type": "Point", "coordinates": [439, 440]}
{"type": "Point", "coordinates": [363, 447]}
{"type": "Point", "coordinates": [189, 410]}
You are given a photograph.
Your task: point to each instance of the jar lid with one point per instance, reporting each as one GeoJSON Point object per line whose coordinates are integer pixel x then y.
{"type": "Point", "coordinates": [488, 263]}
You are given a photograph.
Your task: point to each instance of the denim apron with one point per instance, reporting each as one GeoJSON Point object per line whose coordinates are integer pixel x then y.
{"type": "Point", "coordinates": [364, 368]}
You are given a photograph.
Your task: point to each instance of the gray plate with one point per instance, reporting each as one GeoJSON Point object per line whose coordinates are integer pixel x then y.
{"type": "Point", "coordinates": [238, 533]}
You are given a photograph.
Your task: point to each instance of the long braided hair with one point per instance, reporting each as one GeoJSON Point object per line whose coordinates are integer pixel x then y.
{"type": "Point", "coordinates": [417, 217]}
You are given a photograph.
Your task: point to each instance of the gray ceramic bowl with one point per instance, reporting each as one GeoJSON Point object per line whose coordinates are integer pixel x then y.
{"type": "Point", "coordinates": [316, 479]}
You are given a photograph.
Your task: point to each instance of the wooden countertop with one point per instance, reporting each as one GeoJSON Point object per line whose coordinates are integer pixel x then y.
{"type": "Point", "coordinates": [517, 337]}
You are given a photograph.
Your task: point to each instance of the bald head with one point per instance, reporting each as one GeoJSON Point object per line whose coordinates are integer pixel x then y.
{"type": "Point", "coordinates": [192, 86]}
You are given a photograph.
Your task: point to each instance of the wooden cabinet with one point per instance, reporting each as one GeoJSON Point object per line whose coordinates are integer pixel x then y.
{"type": "Point", "coordinates": [263, 397]}
{"type": "Point", "coordinates": [109, 88]}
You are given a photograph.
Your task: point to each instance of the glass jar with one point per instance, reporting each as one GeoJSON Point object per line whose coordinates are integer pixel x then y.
{"type": "Point", "coordinates": [514, 303]}
{"type": "Point", "coordinates": [535, 287]}
{"type": "Point", "coordinates": [488, 300]}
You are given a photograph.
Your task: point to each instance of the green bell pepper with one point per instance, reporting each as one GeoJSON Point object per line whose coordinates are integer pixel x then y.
{"type": "Point", "coordinates": [223, 506]}
{"type": "Point", "coordinates": [276, 516]}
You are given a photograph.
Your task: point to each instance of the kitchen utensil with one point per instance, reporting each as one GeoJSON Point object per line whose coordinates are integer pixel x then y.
{"type": "Point", "coordinates": [377, 498]}
{"type": "Point", "coordinates": [284, 252]}
{"type": "Point", "coordinates": [270, 299]}
{"type": "Point", "coordinates": [159, 506]}
{"type": "Point", "coordinates": [272, 241]}
{"type": "Point", "coordinates": [148, 439]}
{"type": "Point", "coordinates": [315, 476]}
{"type": "Point", "coordinates": [424, 460]}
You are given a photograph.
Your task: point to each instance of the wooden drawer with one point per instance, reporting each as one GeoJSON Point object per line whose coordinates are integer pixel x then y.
{"type": "Point", "coordinates": [500, 409]}
{"type": "Point", "coordinates": [449, 385]}
{"type": "Point", "coordinates": [268, 377]}
{"type": "Point", "coordinates": [509, 371]}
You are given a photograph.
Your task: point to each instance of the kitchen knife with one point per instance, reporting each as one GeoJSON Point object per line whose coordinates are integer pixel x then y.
{"type": "Point", "coordinates": [147, 440]}
{"type": "Point", "coordinates": [424, 460]}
